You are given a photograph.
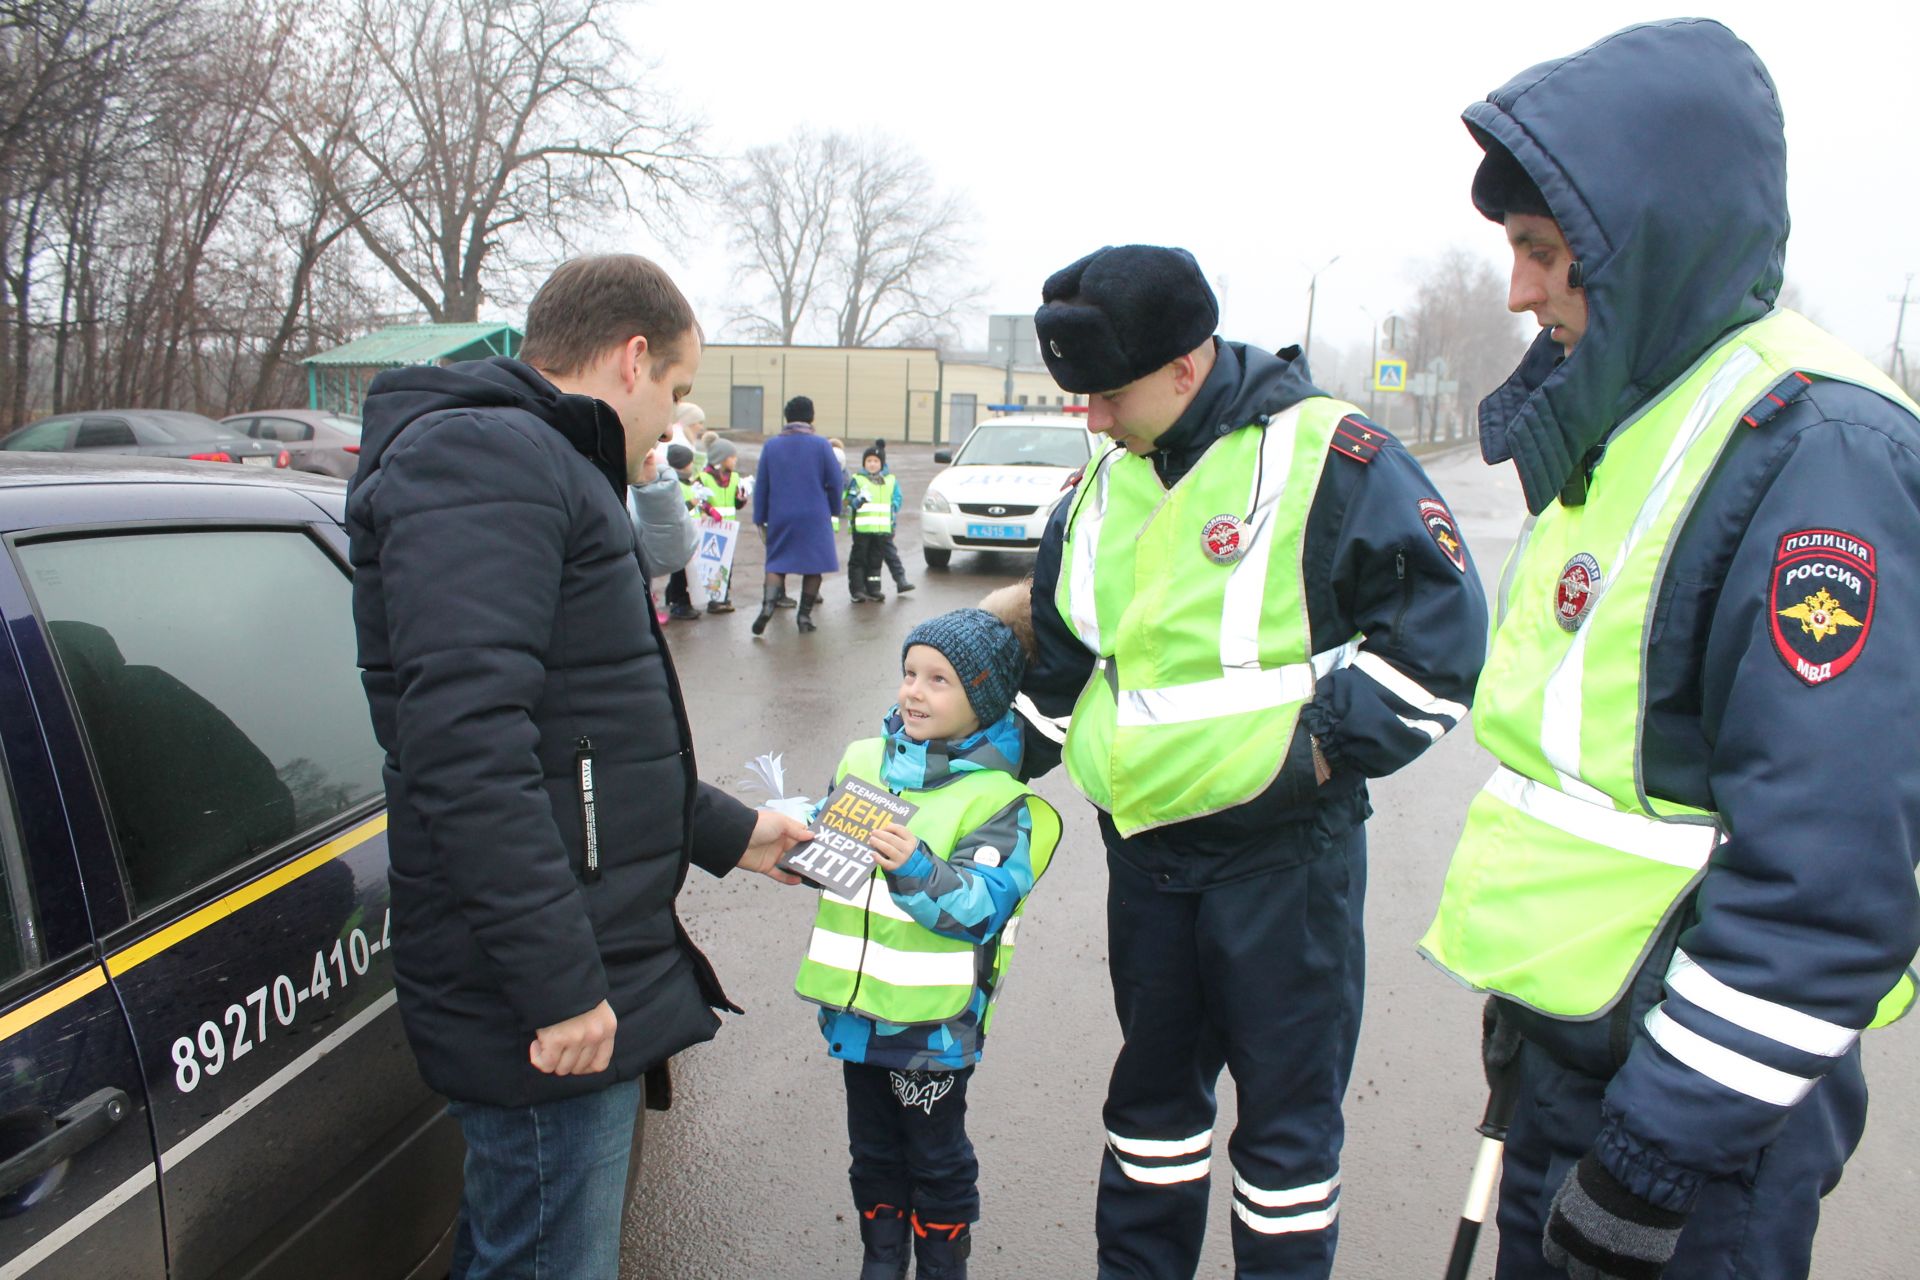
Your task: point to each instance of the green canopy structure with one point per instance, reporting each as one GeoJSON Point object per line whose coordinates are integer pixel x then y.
{"type": "Point", "coordinates": [337, 379]}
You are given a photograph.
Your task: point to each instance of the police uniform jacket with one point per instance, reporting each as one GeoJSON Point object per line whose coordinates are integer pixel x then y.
{"type": "Point", "coordinates": [1377, 564]}
{"type": "Point", "coordinates": [1809, 909]}
{"type": "Point", "coordinates": [505, 635]}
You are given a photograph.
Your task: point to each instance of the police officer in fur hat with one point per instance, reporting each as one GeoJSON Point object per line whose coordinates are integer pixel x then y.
{"type": "Point", "coordinates": [1255, 601]}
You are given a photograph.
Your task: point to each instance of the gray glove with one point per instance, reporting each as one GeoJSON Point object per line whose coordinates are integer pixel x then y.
{"type": "Point", "coordinates": [1599, 1230]}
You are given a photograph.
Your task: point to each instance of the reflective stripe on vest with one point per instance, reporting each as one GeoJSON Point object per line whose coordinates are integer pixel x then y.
{"type": "Point", "coordinates": [1568, 868]}
{"type": "Point", "coordinates": [876, 511]}
{"type": "Point", "coordinates": [1204, 663]}
{"type": "Point", "coordinates": [871, 957]}
{"type": "Point", "coordinates": [724, 497]}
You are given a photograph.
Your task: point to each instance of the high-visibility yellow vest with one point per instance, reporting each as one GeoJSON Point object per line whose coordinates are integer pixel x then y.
{"type": "Point", "coordinates": [1568, 868]}
{"type": "Point", "coordinates": [724, 497]}
{"type": "Point", "coordinates": [876, 508]}
{"type": "Point", "coordinates": [1193, 601]}
{"type": "Point", "coordinates": [869, 956]}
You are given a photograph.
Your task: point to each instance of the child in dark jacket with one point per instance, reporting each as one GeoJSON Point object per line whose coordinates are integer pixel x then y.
{"type": "Point", "coordinates": [907, 1017]}
{"type": "Point", "coordinates": [873, 498]}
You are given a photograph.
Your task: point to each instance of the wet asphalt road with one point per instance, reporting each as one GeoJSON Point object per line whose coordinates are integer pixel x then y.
{"type": "Point", "coordinates": [745, 1178]}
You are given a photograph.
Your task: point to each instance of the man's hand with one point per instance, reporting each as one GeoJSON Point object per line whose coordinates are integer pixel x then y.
{"type": "Point", "coordinates": [893, 844]}
{"type": "Point", "coordinates": [773, 834]}
{"type": "Point", "coordinates": [580, 1046]}
{"type": "Point", "coordinates": [649, 468]}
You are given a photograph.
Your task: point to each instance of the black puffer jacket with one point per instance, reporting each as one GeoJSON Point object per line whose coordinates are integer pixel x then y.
{"type": "Point", "coordinates": [504, 631]}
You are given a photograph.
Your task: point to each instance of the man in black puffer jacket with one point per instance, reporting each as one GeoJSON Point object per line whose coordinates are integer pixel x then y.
{"type": "Point", "coordinates": [542, 801]}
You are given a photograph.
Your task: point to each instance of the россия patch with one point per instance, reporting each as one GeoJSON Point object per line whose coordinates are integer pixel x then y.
{"type": "Point", "coordinates": [1821, 600]}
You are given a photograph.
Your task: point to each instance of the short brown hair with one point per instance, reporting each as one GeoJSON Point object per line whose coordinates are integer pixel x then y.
{"type": "Point", "coordinates": [591, 304]}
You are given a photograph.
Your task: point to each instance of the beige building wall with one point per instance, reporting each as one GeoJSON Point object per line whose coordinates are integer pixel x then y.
{"type": "Point", "coordinates": [863, 393]}
{"type": "Point", "coordinates": [895, 393]}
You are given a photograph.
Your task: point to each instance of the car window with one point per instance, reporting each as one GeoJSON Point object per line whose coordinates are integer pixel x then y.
{"type": "Point", "coordinates": [104, 433]}
{"type": "Point", "coordinates": [186, 428]}
{"type": "Point", "coordinates": [51, 434]}
{"type": "Point", "coordinates": [15, 903]}
{"type": "Point", "coordinates": [214, 673]}
{"type": "Point", "coordinates": [288, 430]}
{"type": "Point", "coordinates": [1015, 446]}
{"type": "Point", "coordinates": [345, 426]}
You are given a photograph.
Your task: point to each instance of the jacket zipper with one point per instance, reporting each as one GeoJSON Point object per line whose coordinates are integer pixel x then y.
{"type": "Point", "coordinates": [589, 824]}
{"type": "Point", "coordinates": [1406, 591]}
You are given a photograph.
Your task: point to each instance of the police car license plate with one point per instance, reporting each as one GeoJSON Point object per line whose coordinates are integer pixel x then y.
{"type": "Point", "coordinates": [996, 531]}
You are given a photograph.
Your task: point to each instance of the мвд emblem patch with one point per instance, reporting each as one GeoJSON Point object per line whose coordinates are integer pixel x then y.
{"type": "Point", "coordinates": [1821, 600]}
{"type": "Point", "coordinates": [1440, 523]}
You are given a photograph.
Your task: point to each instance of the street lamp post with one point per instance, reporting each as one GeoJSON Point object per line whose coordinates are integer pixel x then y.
{"type": "Point", "coordinates": [1313, 284]}
{"type": "Point", "coordinates": [1373, 365]}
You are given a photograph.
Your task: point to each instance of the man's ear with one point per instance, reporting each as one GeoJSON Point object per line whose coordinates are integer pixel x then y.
{"type": "Point", "coordinates": [635, 361]}
{"type": "Point", "coordinates": [1186, 373]}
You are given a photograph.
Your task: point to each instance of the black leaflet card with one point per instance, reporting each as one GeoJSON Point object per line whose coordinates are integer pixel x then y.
{"type": "Point", "coordinates": [838, 858]}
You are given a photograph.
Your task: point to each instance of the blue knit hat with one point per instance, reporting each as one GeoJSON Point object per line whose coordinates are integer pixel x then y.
{"type": "Point", "coordinates": [985, 654]}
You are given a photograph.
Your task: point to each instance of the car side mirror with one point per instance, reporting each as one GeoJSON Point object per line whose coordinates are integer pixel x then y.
{"type": "Point", "coordinates": [943, 456]}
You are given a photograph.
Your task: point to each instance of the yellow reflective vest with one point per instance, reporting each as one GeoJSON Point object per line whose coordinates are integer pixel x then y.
{"type": "Point", "coordinates": [1567, 868]}
{"type": "Point", "coordinates": [870, 957]}
{"type": "Point", "coordinates": [1194, 603]}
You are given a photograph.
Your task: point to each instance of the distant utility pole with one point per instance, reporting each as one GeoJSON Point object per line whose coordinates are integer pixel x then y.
{"type": "Point", "coordinates": [1897, 362]}
{"type": "Point", "coordinates": [1313, 283]}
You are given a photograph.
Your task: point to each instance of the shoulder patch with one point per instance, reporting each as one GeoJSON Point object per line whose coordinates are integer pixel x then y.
{"type": "Point", "coordinates": [1445, 532]}
{"type": "Point", "coordinates": [1354, 437]}
{"type": "Point", "coordinates": [1775, 398]}
{"type": "Point", "coordinates": [1821, 599]}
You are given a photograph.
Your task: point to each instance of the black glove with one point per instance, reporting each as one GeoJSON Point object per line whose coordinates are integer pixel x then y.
{"type": "Point", "coordinates": [1599, 1230]}
{"type": "Point", "coordinates": [1499, 1042]}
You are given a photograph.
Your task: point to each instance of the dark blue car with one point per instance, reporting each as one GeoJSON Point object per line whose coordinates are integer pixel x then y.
{"type": "Point", "coordinates": [202, 1073]}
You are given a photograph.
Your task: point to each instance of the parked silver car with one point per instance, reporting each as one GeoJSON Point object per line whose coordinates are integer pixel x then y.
{"type": "Point", "coordinates": [153, 433]}
{"type": "Point", "coordinates": [325, 443]}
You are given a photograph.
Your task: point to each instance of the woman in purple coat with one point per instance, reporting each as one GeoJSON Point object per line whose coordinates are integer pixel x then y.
{"type": "Point", "coordinates": [796, 495]}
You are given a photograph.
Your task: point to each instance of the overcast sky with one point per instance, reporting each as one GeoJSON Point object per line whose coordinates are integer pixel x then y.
{"type": "Point", "coordinates": [1270, 138]}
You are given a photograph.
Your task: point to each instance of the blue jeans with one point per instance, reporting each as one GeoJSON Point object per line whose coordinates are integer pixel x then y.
{"type": "Point", "coordinates": [545, 1186]}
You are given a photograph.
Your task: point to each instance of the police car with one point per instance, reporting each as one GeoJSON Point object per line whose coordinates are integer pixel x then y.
{"type": "Point", "coordinates": [205, 1075]}
{"type": "Point", "coordinates": [1003, 485]}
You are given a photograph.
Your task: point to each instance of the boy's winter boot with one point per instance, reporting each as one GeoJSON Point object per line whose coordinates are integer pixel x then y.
{"type": "Point", "coordinates": [940, 1249]}
{"type": "Point", "coordinates": [886, 1235]}
{"type": "Point", "coordinates": [804, 618]}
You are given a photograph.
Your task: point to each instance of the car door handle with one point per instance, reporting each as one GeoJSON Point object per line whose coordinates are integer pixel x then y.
{"type": "Point", "coordinates": [75, 1129]}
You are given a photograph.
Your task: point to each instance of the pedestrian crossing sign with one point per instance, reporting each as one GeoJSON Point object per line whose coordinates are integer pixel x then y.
{"type": "Point", "coordinates": [1389, 375]}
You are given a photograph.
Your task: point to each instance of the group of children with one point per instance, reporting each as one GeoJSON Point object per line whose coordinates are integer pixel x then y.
{"type": "Point", "coordinates": [712, 489]}
{"type": "Point", "coordinates": [906, 975]}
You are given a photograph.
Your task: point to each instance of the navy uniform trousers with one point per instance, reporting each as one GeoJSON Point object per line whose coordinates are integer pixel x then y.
{"type": "Point", "coordinates": [1755, 1225]}
{"type": "Point", "coordinates": [1264, 976]}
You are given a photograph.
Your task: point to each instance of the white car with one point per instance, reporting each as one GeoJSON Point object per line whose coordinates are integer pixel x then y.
{"type": "Point", "coordinates": [1002, 485]}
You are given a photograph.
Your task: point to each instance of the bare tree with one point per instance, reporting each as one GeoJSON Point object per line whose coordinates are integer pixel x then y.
{"type": "Point", "coordinates": [845, 237]}
{"type": "Point", "coordinates": [780, 210]}
{"type": "Point", "coordinates": [902, 248]}
{"type": "Point", "coordinates": [494, 129]}
{"type": "Point", "coordinates": [1460, 331]}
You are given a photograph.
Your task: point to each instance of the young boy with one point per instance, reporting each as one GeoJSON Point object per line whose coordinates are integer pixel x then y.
{"type": "Point", "coordinates": [721, 485]}
{"type": "Point", "coordinates": [888, 551]}
{"type": "Point", "coordinates": [906, 975]}
{"type": "Point", "coordinates": [679, 597]}
{"type": "Point", "coordinates": [873, 497]}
